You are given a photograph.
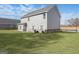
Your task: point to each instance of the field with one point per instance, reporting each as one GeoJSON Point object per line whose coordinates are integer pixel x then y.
{"type": "Point", "coordinates": [69, 28]}
{"type": "Point", "coordinates": [12, 42]}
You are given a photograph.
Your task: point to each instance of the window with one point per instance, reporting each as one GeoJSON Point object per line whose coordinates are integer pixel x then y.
{"type": "Point", "coordinates": [32, 27]}
{"type": "Point", "coordinates": [41, 27]}
{"type": "Point", "coordinates": [44, 16]}
{"type": "Point", "coordinates": [28, 18]}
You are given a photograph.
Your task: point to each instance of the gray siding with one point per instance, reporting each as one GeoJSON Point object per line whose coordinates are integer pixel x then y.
{"type": "Point", "coordinates": [8, 23]}
{"type": "Point", "coordinates": [53, 19]}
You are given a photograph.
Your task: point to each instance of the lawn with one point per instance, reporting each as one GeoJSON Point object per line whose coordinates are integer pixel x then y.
{"type": "Point", "coordinates": [12, 41]}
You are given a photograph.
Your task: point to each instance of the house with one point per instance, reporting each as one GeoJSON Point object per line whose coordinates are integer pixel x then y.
{"type": "Point", "coordinates": [43, 20]}
{"type": "Point", "coordinates": [6, 23]}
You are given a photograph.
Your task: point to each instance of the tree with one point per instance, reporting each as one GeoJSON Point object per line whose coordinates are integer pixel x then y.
{"type": "Point", "coordinates": [18, 21]}
{"type": "Point", "coordinates": [74, 22]}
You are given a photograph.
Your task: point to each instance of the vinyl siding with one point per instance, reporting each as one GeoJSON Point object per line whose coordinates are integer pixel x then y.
{"type": "Point", "coordinates": [37, 21]}
{"type": "Point", "coordinates": [53, 19]}
{"type": "Point", "coordinates": [20, 27]}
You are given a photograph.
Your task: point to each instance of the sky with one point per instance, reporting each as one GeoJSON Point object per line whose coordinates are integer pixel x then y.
{"type": "Point", "coordinates": [16, 11]}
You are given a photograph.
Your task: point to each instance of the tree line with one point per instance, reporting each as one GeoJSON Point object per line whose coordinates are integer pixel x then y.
{"type": "Point", "coordinates": [73, 21]}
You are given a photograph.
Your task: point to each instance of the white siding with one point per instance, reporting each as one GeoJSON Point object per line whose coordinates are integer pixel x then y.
{"type": "Point", "coordinates": [20, 27]}
{"type": "Point", "coordinates": [24, 20]}
{"type": "Point", "coordinates": [37, 21]}
{"type": "Point", "coordinates": [53, 19]}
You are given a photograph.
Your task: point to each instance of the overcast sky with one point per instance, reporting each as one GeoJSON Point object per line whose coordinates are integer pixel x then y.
{"type": "Point", "coordinates": [16, 11]}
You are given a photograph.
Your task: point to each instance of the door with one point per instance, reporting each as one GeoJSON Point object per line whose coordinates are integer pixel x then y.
{"type": "Point", "coordinates": [25, 27]}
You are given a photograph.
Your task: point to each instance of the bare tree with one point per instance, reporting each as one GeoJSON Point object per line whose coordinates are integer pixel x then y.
{"type": "Point", "coordinates": [74, 22]}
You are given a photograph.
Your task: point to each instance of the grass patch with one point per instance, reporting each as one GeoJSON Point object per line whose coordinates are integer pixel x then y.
{"type": "Point", "coordinates": [12, 41]}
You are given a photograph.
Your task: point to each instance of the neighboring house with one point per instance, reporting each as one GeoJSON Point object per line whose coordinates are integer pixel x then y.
{"type": "Point", "coordinates": [45, 19]}
{"type": "Point", "coordinates": [6, 23]}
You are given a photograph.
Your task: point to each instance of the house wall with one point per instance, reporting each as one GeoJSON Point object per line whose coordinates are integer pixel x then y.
{"type": "Point", "coordinates": [24, 20]}
{"type": "Point", "coordinates": [53, 19]}
{"type": "Point", "coordinates": [20, 27]}
{"type": "Point", "coordinates": [37, 21]}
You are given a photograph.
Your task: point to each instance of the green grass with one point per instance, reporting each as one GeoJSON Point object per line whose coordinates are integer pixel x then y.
{"type": "Point", "coordinates": [12, 41]}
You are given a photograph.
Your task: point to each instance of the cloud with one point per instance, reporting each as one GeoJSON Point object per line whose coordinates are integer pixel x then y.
{"type": "Point", "coordinates": [16, 11]}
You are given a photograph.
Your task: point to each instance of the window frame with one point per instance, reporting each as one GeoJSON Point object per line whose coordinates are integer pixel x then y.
{"type": "Point", "coordinates": [44, 15]}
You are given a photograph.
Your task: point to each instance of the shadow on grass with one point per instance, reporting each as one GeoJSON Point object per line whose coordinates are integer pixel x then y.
{"type": "Point", "coordinates": [24, 42]}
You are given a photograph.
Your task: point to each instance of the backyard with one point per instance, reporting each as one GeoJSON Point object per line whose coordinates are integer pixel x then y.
{"type": "Point", "coordinates": [12, 41]}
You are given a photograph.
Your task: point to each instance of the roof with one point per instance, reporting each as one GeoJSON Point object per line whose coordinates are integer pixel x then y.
{"type": "Point", "coordinates": [39, 11]}
{"type": "Point", "coordinates": [22, 23]}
